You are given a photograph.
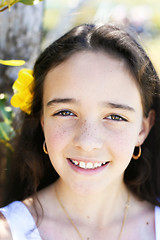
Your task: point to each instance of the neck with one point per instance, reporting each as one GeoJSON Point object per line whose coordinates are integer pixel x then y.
{"type": "Point", "coordinates": [89, 208]}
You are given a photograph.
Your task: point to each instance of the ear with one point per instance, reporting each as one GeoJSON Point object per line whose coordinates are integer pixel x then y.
{"type": "Point", "coordinates": [147, 124]}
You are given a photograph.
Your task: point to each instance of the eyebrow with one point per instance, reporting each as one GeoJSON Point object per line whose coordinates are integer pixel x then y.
{"type": "Point", "coordinates": [106, 104]}
{"type": "Point", "coordinates": [61, 100]}
{"type": "Point", "coordinates": [119, 106]}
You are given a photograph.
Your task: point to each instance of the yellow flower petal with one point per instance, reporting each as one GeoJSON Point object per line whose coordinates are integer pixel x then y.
{"type": "Point", "coordinates": [12, 62]}
{"type": "Point", "coordinates": [24, 81]}
{"type": "Point", "coordinates": [21, 98]}
{"type": "Point", "coordinates": [24, 90]}
{"type": "Point", "coordinates": [24, 104]}
{"type": "Point", "coordinates": [25, 76]}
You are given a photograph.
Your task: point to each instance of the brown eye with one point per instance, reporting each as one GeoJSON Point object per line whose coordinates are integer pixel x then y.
{"type": "Point", "coordinates": [116, 118]}
{"type": "Point", "coordinates": [64, 113]}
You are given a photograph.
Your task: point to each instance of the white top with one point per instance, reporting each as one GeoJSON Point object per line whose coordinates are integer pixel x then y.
{"type": "Point", "coordinates": [21, 222]}
{"type": "Point", "coordinates": [157, 222]}
{"type": "Point", "coordinates": [23, 226]}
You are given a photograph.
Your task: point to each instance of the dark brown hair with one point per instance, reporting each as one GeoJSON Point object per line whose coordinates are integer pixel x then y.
{"type": "Point", "coordinates": [32, 167]}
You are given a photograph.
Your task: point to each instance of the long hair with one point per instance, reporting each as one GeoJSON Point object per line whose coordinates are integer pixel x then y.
{"type": "Point", "coordinates": [31, 166]}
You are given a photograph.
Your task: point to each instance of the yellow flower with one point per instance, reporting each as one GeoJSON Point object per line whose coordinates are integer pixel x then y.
{"type": "Point", "coordinates": [23, 90]}
{"type": "Point", "coordinates": [12, 62]}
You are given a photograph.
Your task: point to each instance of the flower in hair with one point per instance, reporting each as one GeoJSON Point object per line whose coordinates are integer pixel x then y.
{"type": "Point", "coordinates": [23, 90]}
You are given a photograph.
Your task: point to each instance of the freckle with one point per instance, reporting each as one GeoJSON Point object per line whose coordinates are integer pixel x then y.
{"type": "Point", "coordinates": [147, 223]}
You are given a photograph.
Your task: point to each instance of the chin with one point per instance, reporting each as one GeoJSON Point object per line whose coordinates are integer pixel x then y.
{"type": "Point", "coordinates": [87, 189]}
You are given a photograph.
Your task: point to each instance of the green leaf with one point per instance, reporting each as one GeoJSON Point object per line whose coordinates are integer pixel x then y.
{"type": "Point", "coordinates": [8, 114]}
{"type": "Point", "coordinates": [3, 98]}
{"type": "Point", "coordinates": [30, 2]}
{"type": "Point", "coordinates": [6, 132]}
{"type": "Point", "coordinates": [5, 112]}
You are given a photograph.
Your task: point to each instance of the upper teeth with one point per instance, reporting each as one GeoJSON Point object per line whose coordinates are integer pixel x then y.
{"type": "Point", "coordinates": [88, 165]}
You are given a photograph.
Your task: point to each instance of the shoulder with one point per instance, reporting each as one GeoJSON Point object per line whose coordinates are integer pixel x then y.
{"type": "Point", "coordinates": [5, 233]}
{"type": "Point", "coordinates": [39, 205]}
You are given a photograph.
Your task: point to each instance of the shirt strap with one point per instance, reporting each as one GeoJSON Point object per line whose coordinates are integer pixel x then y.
{"type": "Point", "coordinates": [157, 222]}
{"type": "Point", "coordinates": [21, 222]}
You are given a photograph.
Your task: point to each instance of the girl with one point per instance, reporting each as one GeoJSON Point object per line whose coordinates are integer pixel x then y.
{"type": "Point", "coordinates": [86, 163]}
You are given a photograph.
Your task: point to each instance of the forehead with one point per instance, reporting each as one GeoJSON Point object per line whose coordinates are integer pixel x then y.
{"type": "Point", "coordinates": [93, 75]}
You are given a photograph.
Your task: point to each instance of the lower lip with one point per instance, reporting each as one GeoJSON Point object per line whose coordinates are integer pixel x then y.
{"type": "Point", "coordinates": [87, 171]}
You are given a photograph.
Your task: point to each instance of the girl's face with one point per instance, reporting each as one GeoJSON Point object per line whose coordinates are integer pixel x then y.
{"type": "Point", "coordinates": [92, 120]}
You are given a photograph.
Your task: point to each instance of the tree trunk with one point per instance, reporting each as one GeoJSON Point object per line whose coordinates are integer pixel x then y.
{"type": "Point", "coordinates": [20, 38]}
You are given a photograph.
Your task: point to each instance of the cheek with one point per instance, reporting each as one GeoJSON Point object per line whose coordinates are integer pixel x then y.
{"type": "Point", "coordinates": [123, 144]}
{"type": "Point", "coordinates": [57, 137]}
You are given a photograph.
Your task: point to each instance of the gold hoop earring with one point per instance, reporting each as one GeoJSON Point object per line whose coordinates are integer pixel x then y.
{"type": "Point", "coordinates": [44, 147]}
{"type": "Point", "coordinates": [135, 157]}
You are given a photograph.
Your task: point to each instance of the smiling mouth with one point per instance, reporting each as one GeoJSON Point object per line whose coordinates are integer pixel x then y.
{"type": "Point", "coordinates": [87, 165]}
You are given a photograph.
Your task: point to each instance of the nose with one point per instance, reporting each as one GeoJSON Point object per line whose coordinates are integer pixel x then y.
{"type": "Point", "coordinates": [88, 137]}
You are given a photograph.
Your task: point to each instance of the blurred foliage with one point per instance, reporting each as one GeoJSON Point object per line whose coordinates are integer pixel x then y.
{"type": "Point", "coordinates": [140, 14]}
{"type": "Point", "coordinates": [137, 2]}
{"type": "Point", "coordinates": [30, 2]}
{"type": "Point", "coordinates": [55, 9]}
{"type": "Point", "coordinates": [7, 133]}
{"type": "Point", "coordinates": [6, 118]}
{"type": "Point", "coordinates": [153, 49]}
{"type": "Point", "coordinates": [6, 4]}
{"type": "Point", "coordinates": [156, 19]}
